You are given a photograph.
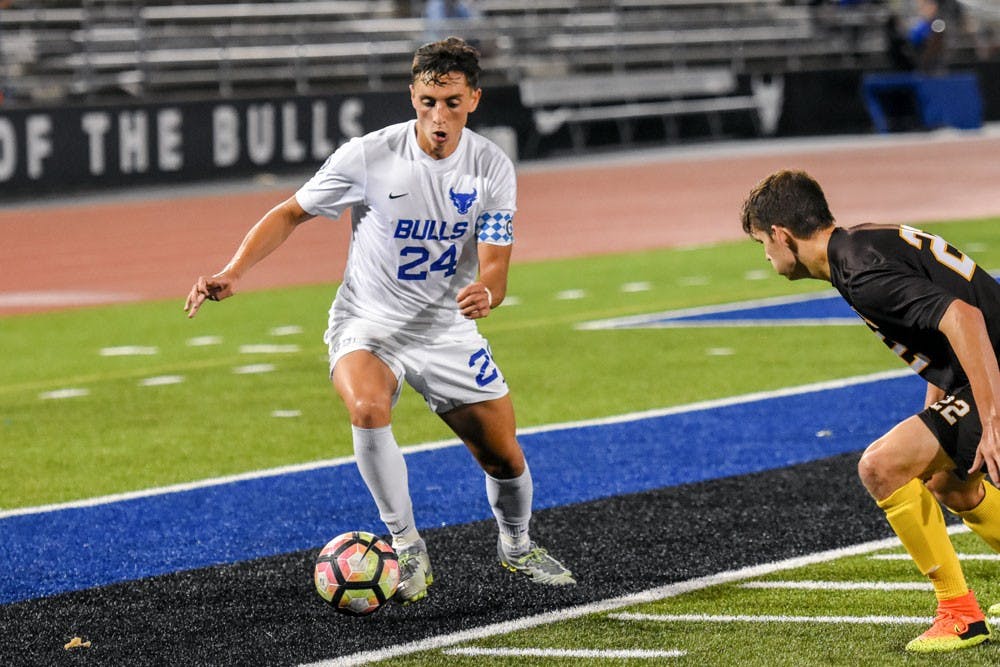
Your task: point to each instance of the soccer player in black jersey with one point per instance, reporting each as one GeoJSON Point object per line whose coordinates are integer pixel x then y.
{"type": "Point", "coordinates": [940, 312]}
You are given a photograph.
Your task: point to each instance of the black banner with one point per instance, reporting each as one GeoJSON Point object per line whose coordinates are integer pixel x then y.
{"type": "Point", "coordinates": [76, 148]}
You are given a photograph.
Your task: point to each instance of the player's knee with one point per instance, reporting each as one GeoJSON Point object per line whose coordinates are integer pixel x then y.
{"type": "Point", "coordinates": [502, 469]}
{"type": "Point", "coordinates": [867, 467]}
{"type": "Point", "coordinates": [877, 473]}
{"type": "Point", "coordinates": [369, 413]}
{"type": "Point", "coordinates": [506, 464]}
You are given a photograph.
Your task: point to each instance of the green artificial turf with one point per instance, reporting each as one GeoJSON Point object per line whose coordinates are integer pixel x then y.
{"type": "Point", "coordinates": [123, 435]}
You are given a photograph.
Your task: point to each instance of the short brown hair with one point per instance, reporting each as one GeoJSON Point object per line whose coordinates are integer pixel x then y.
{"type": "Point", "coordinates": [792, 199]}
{"type": "Point", "coordinates": [434, 61]}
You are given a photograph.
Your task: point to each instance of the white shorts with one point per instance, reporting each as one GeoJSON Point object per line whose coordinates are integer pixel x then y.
{"type": "Point", "coordinates": [449, 370]}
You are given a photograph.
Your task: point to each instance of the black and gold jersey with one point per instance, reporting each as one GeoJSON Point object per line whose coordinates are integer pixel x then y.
{"type": "Point", "coordinates": [901, 280]}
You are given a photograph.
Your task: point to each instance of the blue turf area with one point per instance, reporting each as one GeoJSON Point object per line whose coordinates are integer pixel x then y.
{"type": "Point", "coordinates": [825, 308]}
{"type": "Point", "coordinates": [70, 549]}
{"type": "Point", "coordinates": [813, 308]}
{"type": "Point", "coordinates": [830, 308]}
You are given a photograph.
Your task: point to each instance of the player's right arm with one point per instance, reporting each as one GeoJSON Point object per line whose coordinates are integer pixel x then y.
{"type": "Point", "coordinates": [965, 328]}
{"type": "Point", "coordinates": [262, 239]}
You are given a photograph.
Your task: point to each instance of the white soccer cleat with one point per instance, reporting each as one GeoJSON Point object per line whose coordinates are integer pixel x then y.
{"type": "Point", "coordinates": [415, 573]}
{"type": "Point", "coordinates": [537, 565]}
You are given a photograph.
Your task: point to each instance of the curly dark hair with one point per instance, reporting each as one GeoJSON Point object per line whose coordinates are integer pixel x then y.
{"type": "Point", "coordinates": [434, 61]}
{"type": "Point", "coordinates": [792, 199]}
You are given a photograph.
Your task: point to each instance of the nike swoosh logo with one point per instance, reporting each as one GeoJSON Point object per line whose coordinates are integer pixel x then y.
{"type": "Point", "coordinates": [392, 196]}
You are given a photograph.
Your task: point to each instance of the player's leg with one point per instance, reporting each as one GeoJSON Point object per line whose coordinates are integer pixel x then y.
{"type": "Point", "coordinates": [893, 469]}
{"type": "Point", "coordinates": [956, 424]}
{"type": "Point", "coordinates": [974, 499]}
{"type": "Point", "coordinates": [977, 502]}
{"type": "Point", "coordinates": [488, 430]}
{"type": "Point", "coordinates": [368, 387]}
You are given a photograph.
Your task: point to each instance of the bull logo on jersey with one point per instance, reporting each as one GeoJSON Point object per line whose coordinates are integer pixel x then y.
{"type": "Point", "coordinates": [462, 201]}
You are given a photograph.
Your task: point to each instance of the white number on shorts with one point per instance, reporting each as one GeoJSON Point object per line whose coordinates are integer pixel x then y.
{"type": "Point", "coordinates": [487, 372]}
{"type": "Point", "coordinates": [951, 409]}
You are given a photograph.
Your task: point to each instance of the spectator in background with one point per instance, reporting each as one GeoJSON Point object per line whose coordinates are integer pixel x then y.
{"type": "Point", "coordinates": [440, 14]}
{"type": "Point", "coordinates": [898, 48]}
{"type": "Point", "coordinates": [449, 9]}
{"type": "Point", "coordinates": [927, 37]}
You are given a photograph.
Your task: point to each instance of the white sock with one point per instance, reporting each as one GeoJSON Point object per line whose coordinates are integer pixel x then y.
{"type": "Point", "coordinates": [511, 503]}
{"type": "Point", "coordinates": [383, 468]}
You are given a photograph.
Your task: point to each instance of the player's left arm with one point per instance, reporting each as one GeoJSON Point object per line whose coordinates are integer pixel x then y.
{"type": "Point", "coordinates": [477, 299]}
{"type": "Point", "coordinates": [965, 328]}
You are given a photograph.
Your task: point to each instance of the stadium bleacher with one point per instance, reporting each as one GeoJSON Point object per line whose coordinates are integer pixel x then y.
{"type": "Point", "coordinates": [575, 63]}
{"type": "Point", "coordinates": [108, 49]}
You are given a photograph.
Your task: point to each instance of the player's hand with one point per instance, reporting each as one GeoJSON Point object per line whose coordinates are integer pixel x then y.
{"type": "Point", "coordinates": [988, 451]}
{"type": "Point", "coordinates": [213, 288]}
{"type": "Point", "coordinates": [474, 301]}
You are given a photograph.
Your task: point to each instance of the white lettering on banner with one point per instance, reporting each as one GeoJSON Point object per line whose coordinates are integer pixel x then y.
{"type": "Point", "coordinates": [109, 142]}
{"type": "Point", "coordinates": [350, 118]}
{"type": "Point", "coordinates": [225, 136]}
{"type": "Point", "coordinates": [260, 133]}
{"type": "Point", "coordinates": [96, 124]}
{"type": "Point", "coordinates": [321, 145]}
{"type": "Point", "coordinates": [292, 150]}
{"type": "Point", "coordinates": [263, 132]}
{"type": "Point", "coordinates": [39, 143]}
{"type": "Point", "coordinates": [133, 146]}
{"type": "Point", "coordinates": [169, 140]}
{"type": "Point", "coordinates": [8, 149]}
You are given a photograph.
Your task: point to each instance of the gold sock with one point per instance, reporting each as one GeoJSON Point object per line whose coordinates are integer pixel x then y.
{"type": "Point", "coordinates": [917, 519]}
{"type": "Point", "coordinates": [984, 518]}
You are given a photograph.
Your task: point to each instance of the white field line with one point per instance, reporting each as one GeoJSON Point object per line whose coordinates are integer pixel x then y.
{"type": "Point", "coordinates": [601, 606]}
{"type": "Point", "coordinates": [764, 322]}
{"type": "Point", "coordinates": [269, 348]}
{"type": "Point", "coordinates": [607, 654]}
{"type": "Point", "coordinates": [842, 585]}
{"type": "Point", "coordinates": [571, 294]}
{"type": "Point", "coordinates": [62, 298]}
{"type": "Point", "coordinates": [611, 604]}
{"type": "Point", "coordinates": [742, 618]}
{"type": "Point", "coordinates": [161, 380]}
{"type": "Point", "coordinates": [203, 341]}
{"type": "Point", "coordinates": [129, 351]}
{"type": "Point", "coordinates": [648, 320]}
{"type": "Point", "coordinates": [441, 444]}
{"type": "Point", "coordinates": [254, 369]}
{"type": "Point", "coordinates": [960, 557]}
{"type": "Point", "coordinates": [645, 318]}
{"type": "Point", "coordinates": [57, 394]}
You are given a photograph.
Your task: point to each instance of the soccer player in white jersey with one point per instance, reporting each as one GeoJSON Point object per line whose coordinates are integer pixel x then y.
{"type": "Point", "coordinates": [431, 206]}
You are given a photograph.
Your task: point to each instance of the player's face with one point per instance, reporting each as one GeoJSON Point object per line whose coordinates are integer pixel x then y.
{"type": "Point", "coordinates": [779, 250]}
{"type": "Point", "coordinates": [442, 111]}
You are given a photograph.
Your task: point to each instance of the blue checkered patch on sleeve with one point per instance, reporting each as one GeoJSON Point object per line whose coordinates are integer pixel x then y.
{"type": "Point", "coordinates": [496, 228]}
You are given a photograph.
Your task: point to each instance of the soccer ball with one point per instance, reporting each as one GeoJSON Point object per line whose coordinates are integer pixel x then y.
{"type": "Point", "coordinates": [356, 573]}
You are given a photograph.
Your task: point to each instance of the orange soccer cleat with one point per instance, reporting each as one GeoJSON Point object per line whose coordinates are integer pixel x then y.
{"type": "Point", "coordinates": [959, 624]}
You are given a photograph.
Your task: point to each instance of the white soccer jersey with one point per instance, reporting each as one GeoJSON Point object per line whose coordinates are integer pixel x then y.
{"type": "Point", "coordinates": [416, 222]}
